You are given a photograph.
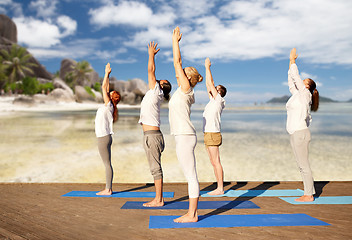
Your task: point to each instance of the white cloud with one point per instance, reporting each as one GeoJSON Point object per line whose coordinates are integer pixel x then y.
{"type": "Point", "coordinates": [5, 2]}
{"type": "Point", "coordinates": [9, 5]}
{"type": "Point", "coordinates": [241, 30]}
{"type": "Point", "coordinates": [44, 8]}
{"type": "Point", "coordinates": [132, 13]}
{"type": "Point", "coordinates": [82, 49]}
{"type": "Point", "coordinates": [305, 75]}
{"type": "Point", "coordinates": [190, 9]}
{"type": "Point", "coordinates": [254, 29]}
{"type": "Point", "coordinates": [37, 33]}
{"type": "Point", "coordinates": [68, 24]}
{"type": "Point", "coordinates": [44, 33]}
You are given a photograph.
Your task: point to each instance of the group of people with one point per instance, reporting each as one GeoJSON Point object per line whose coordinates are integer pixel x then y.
{"type": "Point", "coordinates": [304, 98]}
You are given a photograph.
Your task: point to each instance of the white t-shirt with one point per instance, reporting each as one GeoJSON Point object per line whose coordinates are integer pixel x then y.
{"type": "Point", "coordinates": [212, 114]}
{"type": "Point", "coordinates": [298, 106]}
{"type": "Point", "coordinates": [180, 112]}
{"type": "Point", "coordinates": [104, 120]}
{"type": "Point", "coordinates": [150, 107]}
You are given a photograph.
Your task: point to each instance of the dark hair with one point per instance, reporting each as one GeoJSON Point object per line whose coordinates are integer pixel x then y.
{"type": "Point", "coordinates": [315, 95]}
{"type": "Point", "coordinates": [166, 88]}
{"type": "Point", "coordinates": [222, 90]}
{"type": "Point", "coordinates": [115, 99]}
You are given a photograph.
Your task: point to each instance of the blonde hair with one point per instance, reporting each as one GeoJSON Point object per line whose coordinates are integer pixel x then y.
{"type": "Point", "coordinates": [194, 76]}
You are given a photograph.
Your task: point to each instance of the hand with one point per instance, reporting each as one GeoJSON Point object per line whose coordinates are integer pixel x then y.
{"type": "Point", "coordinates": [207, 62]}
{"type": "Point", "coordinates": [107, 68]}
{"type": "Point", "coordinates": [152, 48]}
{"type": "Point", "coordinates": [293, 54]}
{"type": "Point", "coordinates": [176, 35]}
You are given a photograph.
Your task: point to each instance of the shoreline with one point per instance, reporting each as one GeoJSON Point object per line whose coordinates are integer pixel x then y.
{"type": "Point", "coordinates": [7, 107]}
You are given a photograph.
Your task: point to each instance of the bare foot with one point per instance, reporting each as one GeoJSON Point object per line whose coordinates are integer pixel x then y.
{"type": "Point", "coordinates": [105, 192]}
{"type": "Point", "coordinates": [216, 192]}
{"type": "Point", "coordinates": [154, 203]}
{"type": "Point", "coordinates": [187, 218]}
{"type": "Point", "coordinates": [305, 198]}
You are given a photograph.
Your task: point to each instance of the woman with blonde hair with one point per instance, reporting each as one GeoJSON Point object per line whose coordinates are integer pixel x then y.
{"type": "Point", "coordinates": [105, 117]}
{"type": "Point", "coordinates": [305, 98]}
{"type": "Point", "coordinates": [182, 128]}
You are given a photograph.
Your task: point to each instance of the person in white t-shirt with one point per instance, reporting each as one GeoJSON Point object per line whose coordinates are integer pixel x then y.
{"type": "Point", "coordinates": [105, 117]}
{"type": "Point", "coordinates": [212, 126]}
{"type": "Point", "coordinates": [305, 98]}
{"type": "Point", "coordinates": [182, 128]}
{"type": "Point", "coordinates": [153, 140]}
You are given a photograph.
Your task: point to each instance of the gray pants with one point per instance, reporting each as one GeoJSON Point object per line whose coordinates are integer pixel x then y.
{"type": "Point", "coordinates": [104, 146]}
{"type": "Point", "coordinates": [153, 142]}
{"type": "Point", "coordinates": [300, 142]}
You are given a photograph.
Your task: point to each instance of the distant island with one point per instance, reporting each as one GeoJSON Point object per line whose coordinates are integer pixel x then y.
{"type": "Point", "coordinates": [285, 98]}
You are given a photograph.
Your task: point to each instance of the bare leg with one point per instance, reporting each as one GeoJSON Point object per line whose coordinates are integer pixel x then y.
{"type": "Point", "coordinates": [305, 198]}
{"type": "Point", "coordinates": [214, 156]}
{"type": "Point", "coordinates": [158, 201]}
{"type": "Point", "coordinates": [105, 192]}
{"type": "Point", "coordinates": [192, 214]}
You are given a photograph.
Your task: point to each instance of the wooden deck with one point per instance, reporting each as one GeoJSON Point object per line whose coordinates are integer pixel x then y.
{"type": "Point", "coordinates": [37, 211]}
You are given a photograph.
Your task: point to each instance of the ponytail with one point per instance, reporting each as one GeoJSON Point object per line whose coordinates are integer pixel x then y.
{"type": "Point", "coordinates": [115, 99]}
{"type": "Point", "coordinates": [315, 101]}
{"type": "Point", "coordinates": [115, 114]}
{"type": "Point", "coordinates": [166, 88]}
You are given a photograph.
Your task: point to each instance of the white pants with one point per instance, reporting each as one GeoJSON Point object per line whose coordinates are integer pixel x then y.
{"type": "Point", "coordinates": [300, 142]}
{"type": "Point", "coordinates": [185, 145]}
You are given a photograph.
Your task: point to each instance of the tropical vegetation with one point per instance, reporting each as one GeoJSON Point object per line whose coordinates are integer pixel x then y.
{"type": "Point", "coordinates": [79, 74]}
{"type": "Point", "coordinates": [16, 64]}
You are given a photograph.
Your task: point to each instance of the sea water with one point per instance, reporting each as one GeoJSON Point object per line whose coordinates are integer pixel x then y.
{"type": "Point", "coordinates": [61, 146]}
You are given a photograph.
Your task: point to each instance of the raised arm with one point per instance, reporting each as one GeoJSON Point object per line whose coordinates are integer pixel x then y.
{"type": "Point", "coordinates": [294, 80]}
{"type": "Point", "coordinates": [106, 86]}
{"type": "Point", "coordinates": [182, 80]}
{"type": "Point", "coordinates": [212, 92]}
{"type": "Point", "coordinates": [151, 64]}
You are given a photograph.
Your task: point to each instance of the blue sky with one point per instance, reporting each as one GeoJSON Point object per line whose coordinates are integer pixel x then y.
{"type": "Point", "coordinates": [248, 42]}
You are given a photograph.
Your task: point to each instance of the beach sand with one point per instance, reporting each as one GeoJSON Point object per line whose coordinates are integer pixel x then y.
{"type": "Point", "coordinates": [37, 211]}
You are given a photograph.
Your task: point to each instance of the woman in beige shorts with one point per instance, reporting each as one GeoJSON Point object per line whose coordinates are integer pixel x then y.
{"type": "Point", "coordinates": [212, 126]}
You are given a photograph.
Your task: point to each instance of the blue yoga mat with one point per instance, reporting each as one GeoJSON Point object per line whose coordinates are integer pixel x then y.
{"type": "Point", "coordinates": [201, 205]}
{"type": "Point", "coordinates": [256, 193]}
{"type": "Point", "coordinates": [117, 194]}
{"type": "Point", "coordinates": [260, 220]}
{"type": "Point", "coordinates": [322, 200]}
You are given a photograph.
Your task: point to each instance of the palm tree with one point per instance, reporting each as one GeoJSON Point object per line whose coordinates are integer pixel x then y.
{"type": "Point", "coordinates": [16, 63]}
{"type": "Point", "coordinates": [80, 73]}
{"type": "Point", "coordinates": [2, 74]}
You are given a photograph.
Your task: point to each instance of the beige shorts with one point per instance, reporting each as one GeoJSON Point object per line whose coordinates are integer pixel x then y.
{"type": "Point", "coordinates": [212, 139]}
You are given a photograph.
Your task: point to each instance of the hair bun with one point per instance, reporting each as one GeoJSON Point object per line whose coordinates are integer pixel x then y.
{"type": "Point", "coordinates": [200, 78]}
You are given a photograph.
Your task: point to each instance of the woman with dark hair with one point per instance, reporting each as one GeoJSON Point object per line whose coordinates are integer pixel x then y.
{"type": "Point", "coordinates": [212, 126]}
{"type": "Point", "coordinates": [305, 98]}
{"type": "Point", "coordinates": [105, 117]}
{"type": "Point", "coordinates": [153, 139]}
{"type": "Point", "coordinates": [182, 128]}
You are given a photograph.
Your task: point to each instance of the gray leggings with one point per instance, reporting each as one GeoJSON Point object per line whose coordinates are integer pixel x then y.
{"type": "Point", "coordinates": [104, 146]}
{"type": "Point", "coordinates": [153, 142]}
{"type": "Point", "coordinates": [300, 142]}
